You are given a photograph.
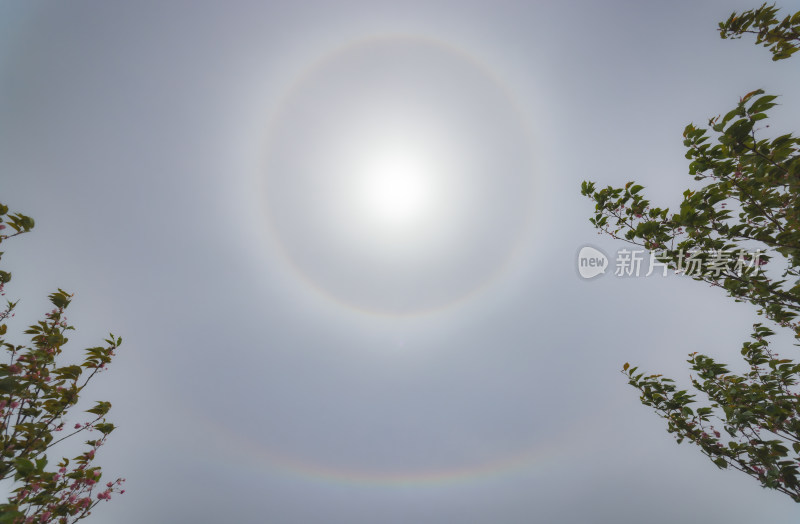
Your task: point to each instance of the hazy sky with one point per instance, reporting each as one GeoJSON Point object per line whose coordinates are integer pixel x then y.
{"type": "Point", "coordinates": [339, 241]}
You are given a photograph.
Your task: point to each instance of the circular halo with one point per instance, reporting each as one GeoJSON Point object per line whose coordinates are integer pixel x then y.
{"type": "Point", "coordinates": [398, 176]}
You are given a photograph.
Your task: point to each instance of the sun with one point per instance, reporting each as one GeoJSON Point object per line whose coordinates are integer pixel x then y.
{"type": "Point", "coordinates": [396, 186]}
{"type": "Point", "coordinates": [398, 176]}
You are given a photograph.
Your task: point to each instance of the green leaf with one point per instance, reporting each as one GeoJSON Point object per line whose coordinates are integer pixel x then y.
{"type": "Point", "coordinates": [61, 299]}
{"type": "Point", "coordinates": [104, 428]}
{"type": "Point", "coordinates": [23, 466]}
{"type": "Point", "coordinates": [100, 409]}
{"type": "Point", "coordinates": [762, 104]}
{"type": "Point", "coordinates": [8, 385]}
{"type": "Point", "coordinates": [10, 514]}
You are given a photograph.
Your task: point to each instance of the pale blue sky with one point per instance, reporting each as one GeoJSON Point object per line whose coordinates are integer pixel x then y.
{"type": "Point", "coordinates": [187, 165]}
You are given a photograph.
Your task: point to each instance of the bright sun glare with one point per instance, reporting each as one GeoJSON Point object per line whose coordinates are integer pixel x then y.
{"type": "Point", "coordinates": [398, 175]}
{"type": "Point", "coordinates": [396, 187]}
